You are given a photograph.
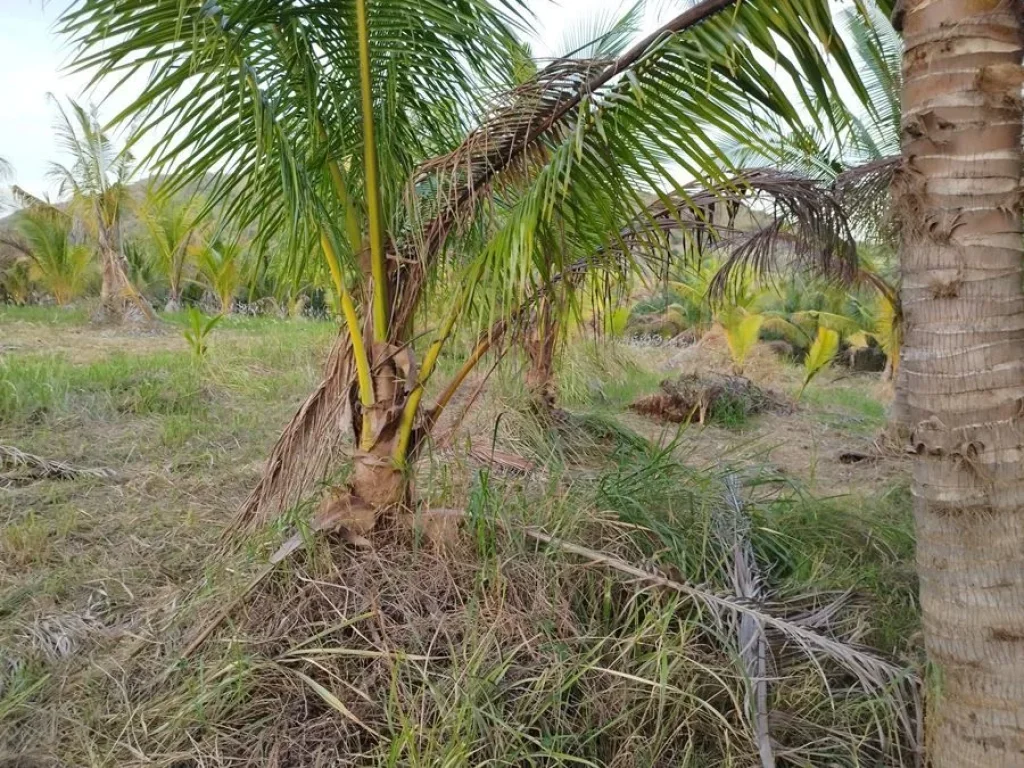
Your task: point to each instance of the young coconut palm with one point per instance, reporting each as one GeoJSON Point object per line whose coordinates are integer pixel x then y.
{"type": "Point", "coordinates": [95, 182]}
{"type": "Point", "coordinates": [53, 256]}
{"type": "Point", "coordinates": [337, 122]}
{"type": "Point", "coordinates": [59, 263]}
{"type": "Point", "coordinates": [221, 265]}
{"type": "Point", "coordinates": [172, 227]}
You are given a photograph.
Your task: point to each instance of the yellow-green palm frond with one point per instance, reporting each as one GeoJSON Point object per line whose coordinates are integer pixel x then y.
{"type": "Point", "coordinates": [888, 330]}
{"type": "Point", "coordinates": [841, 324]}
{"type": "Point", "coordinates": [742, 330]}
{"type": "Point", "coordinates": [821, 353]}
{"type": "Point", "coordinates": [784, 327]}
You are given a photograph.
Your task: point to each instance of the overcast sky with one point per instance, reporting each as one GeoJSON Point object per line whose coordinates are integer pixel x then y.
{"type": "Point", "coordinates": [33, 59]}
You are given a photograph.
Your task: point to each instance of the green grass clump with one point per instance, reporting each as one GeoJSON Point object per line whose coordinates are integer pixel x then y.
{"type": "Point", "coordinates": [493, 647]}
{"type": "Point", "coordinates": [34, 387]}
{"type": "Point", "coordinates": [43, 315]}
{"type": "Point", "coordinates": [843, 407]}
{"type": "Point", "coordinates": [606, 375]}
{"type": "Point", "coordinates": [501, 649]}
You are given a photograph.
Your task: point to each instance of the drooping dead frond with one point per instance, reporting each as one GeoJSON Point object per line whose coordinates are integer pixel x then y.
{"type": "Point", "coordinates": [796, 222]}
{"type": "Point", "coordinates": [505, 136]}
{"type": "Point", "coordinates": [763, 219]}
{"type": "Point", "coordinates": [863, 193]}
{"type": "Point", "coordinates": [733, 531]}
{"type": "Point", "coordinates": [534, 112]}
{"type": "Point", "coordinates": [872, 671]}
{"type": "Point", "coordinates": [308, 446]}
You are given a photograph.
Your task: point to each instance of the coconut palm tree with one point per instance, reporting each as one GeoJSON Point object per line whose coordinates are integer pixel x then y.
{"type": "Point", "coordinates": [957, 198]}
{"type": "Point", "coordinates": [374, 129]}
{"type": "Point", "coordinates": [221, 267]}
{"type": "Point", "coordinates": [96, 183]}
{"type": "Point", "coordinates": [52, 254]}
{"type": "Point", "coordinates": [59, 263]}
{"type": "Point", "coordinates": [172, 227]}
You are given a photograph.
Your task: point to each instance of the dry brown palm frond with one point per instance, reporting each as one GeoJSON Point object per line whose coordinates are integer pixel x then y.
{"type": "Point", "coordinates": [311, 442]}
{"type": "Point", "coordinates": [872, 671]}
{"type": "Point", "coordinates": [27, 468]}
{"type": "Point", "coordinates": [507, 134]}
{"type": "Point", "coordinates": [533, 113]}
{"type": "Point", "coordinates": [864, 193]}
{"type": "Point", "coordinates": [733, 531]}
{"type": "Point", "coordinates": [806, 227]}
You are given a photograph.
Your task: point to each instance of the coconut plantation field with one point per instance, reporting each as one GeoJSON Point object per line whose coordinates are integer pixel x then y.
{"type": "Point", "coordinates": [428, 384]}
{"type": "Point", "coordinates": [568, 596]}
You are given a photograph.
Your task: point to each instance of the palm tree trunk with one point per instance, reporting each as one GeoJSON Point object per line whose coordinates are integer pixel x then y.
{"type": "Point", "coordinates": [120, 301]}
{"type": "Point", "coordinates": [959, 197]}
{"type": "Point", "coordinates": [540, 350]}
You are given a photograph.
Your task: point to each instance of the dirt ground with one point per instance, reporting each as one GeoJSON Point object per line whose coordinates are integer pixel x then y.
{"type": "Point", "coordinates": [832, 441]}
{"type": "Point", "coordinates": [83, 344]}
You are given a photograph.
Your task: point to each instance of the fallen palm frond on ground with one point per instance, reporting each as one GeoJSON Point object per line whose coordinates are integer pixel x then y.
{"type": "Point", "coordinates": [21, 468]}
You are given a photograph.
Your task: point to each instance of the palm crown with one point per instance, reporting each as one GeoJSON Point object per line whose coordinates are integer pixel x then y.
{"type": "Point", "coordinates": [409, 137]}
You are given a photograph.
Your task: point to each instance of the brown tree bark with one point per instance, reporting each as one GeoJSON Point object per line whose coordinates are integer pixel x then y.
{"type": "Point", "coordinates": [958, 197]}
{"type": "Point", "coordinates": [120, 301]}
{"type": "Point", "coordinates": [540, 352]}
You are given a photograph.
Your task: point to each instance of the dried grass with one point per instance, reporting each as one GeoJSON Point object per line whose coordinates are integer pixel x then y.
{"type": "Point", "coordinates": [511, 645]}
{"type": "Point", "coordinates": [23, 468]}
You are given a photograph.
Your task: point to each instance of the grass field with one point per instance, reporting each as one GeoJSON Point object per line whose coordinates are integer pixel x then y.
{"type": "Point", "coordinates": [493, 649]}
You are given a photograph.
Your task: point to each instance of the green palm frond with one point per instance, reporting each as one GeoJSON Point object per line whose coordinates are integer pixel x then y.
{"type": "Point", "coordinates": [60, 265]}
{"type": "Point", "coordinates": [172, 228]}
{"type": "Point", "coordinates": [788, 328]}
{"type": "Point", "coordinates": [821, 353]}
{"type": "Point", "coordinates": [841, 324]}
{"type": "Point", "coordinates": [868, 132]}
{"type": "Point", "coordinates": [221, 265]}
{"type": "Point", "coordinates": [238, 87]}
{"type": "Point", "coordinates": [600, 35]}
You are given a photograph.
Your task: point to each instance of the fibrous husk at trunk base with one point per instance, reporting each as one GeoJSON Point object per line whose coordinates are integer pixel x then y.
{"type": "Point", "coordinates": [124, 309]}
{"type": "Point", "coordinates": [699, 397]}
